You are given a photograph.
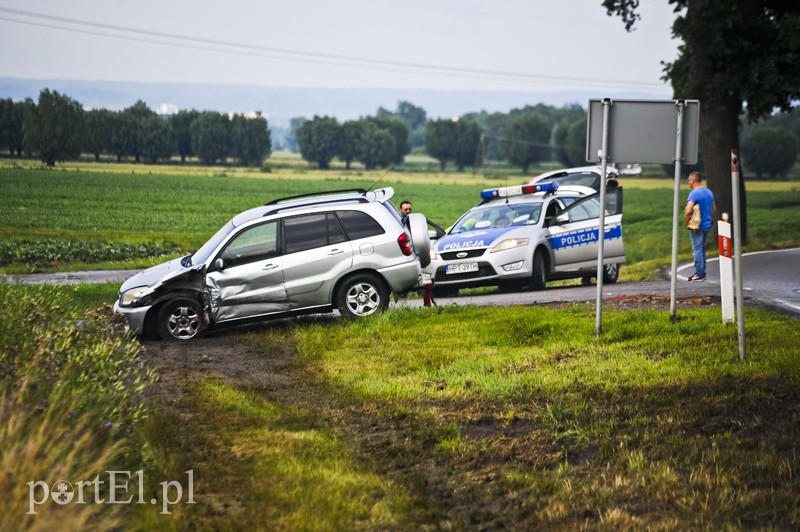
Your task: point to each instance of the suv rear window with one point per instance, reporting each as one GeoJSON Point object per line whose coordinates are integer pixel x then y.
{"type": "Point", "coordinates": [359, 224]}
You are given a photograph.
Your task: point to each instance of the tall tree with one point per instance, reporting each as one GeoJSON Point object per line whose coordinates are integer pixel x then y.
{"type": "Point", "coordinates": [377, 146]}
{"type": "Point", "coordinates": [99, 131]}
{"type": "Point", "coordinates": [399, 131]}
{"type": "Point", "coordinates": [526, 140]}
{"type": "Point", "coordinates": [319, 140]}
{"type": "Point", "coordinates": [54, 128]}
{"type": "Point", "coordinates": [736, 53]}
{"type": "Point", "coordinates": [181, 127]}
{"type": "Point", "coordinates": [211, 136]}
{"type": "Point", "coordinates": [465, 147]}
{"type": "Point", "coordinates": [352, 140]}
{"type": "Point", "coordinates": [250, 140]}
{"type": "Point", "coordinates": [129, 129]}
{"type": "Point", "coordinates": [439, 140]}
{"type": "Point", "coordinates": [155, 139]}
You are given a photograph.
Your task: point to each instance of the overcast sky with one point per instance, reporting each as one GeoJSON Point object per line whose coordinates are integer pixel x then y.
{"type": "Point", "coordinates": [515, 45]}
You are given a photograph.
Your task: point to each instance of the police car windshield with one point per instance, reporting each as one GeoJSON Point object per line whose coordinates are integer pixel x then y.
{"type": "Point", "coordinates": [502, 215]}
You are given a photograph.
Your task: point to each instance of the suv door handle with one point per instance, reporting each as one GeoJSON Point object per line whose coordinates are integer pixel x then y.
{"type": "Point", "coordinates": [270, 267]}
{"type": "Point", "coordinates": [336, 252]}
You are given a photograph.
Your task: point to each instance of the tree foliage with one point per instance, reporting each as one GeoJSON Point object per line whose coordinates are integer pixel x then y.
{"type": "Point", "coordinates": [54, 128]}
{"type": "Point", "coordinates": [250, 140]}
{"type": "Point", "coordinates": [526, 140]}
{"type": "Point", "coordinates": [210, 136]}
{"type": "Point", "coordinates": [770, 151]}
{"type": "Point", "coordinates": [181, 129]}
{"type": "Point", "coordinates": [99, 131]}
{"type": "Point", "coordinates": [732, 54]}
{"type": "Point", "coordinates": [319, 140]}
{"type": "Point", "coordinates": [440, 140]}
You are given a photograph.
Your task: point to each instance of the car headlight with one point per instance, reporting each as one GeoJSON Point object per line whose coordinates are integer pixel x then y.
{"type": "Point", "coordinates": [131, 297]}
{"type": "Point", "coordinates": [510, 244]}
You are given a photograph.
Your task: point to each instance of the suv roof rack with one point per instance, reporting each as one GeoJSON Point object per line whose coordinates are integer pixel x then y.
{"type": "Point", "coordinates": [314, 194]}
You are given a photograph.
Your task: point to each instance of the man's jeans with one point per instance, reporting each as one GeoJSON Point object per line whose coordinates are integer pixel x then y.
{"type": "Point", "coordinates": [699, 249]}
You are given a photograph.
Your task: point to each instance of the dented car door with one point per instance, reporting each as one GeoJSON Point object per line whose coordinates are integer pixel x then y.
{"type": "Point", "coordinates": [246, 278]}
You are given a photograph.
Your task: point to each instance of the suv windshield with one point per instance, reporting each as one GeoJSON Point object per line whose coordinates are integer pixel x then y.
{"type": "Point", "coordinates": [202, 254]}
{"type": "Point", "coordinates": [503, 215]}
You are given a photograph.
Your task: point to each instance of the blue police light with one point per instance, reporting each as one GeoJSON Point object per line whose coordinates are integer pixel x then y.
{"type": "Point", "coordinates": [504, 192]}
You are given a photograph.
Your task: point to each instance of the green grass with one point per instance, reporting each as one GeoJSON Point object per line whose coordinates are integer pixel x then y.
{"type": "Point", "coordinates": [502, 418]}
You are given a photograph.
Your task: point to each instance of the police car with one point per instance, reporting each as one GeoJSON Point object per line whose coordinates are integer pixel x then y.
{"type": "Point", "coordinates": [524, 236]}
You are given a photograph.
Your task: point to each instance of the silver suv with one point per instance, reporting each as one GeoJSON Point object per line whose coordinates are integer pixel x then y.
{"type": "Point", "coordinates": [346, 250]}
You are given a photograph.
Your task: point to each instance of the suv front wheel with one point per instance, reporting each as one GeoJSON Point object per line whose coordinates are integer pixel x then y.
{"type": "Point", "coordinates": [362, 295]}
{"type": "Point", "coordinates": [179, 319]}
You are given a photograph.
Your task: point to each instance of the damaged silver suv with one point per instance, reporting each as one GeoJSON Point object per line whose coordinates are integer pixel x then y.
{"type": "Point", "coordinates": [342, 250]}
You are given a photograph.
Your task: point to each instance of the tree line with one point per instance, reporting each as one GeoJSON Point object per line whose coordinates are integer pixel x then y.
{"type": "Point", "coordinates": [57, 128]}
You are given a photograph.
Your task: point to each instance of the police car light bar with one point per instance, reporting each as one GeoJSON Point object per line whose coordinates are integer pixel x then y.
{"type": "Point", "coordinates": [504, 192]}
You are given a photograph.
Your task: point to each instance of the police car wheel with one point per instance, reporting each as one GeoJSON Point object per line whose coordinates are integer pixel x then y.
{"type": "Point", "coordinates": [611, 273]}
{"type": "Point", "coordinates": [539, 275]}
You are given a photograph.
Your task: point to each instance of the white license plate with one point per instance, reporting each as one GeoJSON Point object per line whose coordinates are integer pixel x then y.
{"type": "Point", "coordinates": [461, 268]}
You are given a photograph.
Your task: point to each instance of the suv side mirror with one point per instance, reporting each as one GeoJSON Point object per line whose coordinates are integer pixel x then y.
{"type": "Point", "coordinates": [219, 265]}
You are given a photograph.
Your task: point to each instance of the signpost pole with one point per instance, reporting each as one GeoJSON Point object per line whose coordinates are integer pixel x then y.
{"type": "Point", "coordinates": [737, 251]}
{"type": "Point", "coordinates": [602, 226]}
{"type": "Point", "coordinates": [673, 286]}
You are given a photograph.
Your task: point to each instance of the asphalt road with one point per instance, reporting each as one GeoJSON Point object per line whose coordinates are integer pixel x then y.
{"type": "Point", "coordinates": [771, 278]}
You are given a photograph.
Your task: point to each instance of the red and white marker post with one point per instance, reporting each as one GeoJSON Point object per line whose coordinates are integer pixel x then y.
{"type": "Point", "coordinates": [726, 268]}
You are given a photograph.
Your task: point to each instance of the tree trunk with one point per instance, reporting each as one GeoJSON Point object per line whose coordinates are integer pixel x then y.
{"type": "Point", "coordinates": [719, 134]}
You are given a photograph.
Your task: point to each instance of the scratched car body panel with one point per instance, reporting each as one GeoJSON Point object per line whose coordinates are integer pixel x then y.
{"type": "Point", "coordinates": [346, 250]}
{"type": "Point", "coordinates": [496, 242]}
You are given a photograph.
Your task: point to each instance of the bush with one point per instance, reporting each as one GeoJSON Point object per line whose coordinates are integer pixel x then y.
{"type": "Point", "coordinates": [51, 251]}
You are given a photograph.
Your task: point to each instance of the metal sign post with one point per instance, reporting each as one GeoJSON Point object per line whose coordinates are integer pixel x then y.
{"type": "Point", "coordinates": [598, 326]}
{"type": "Point", "coordinates": [737, 251]}
{"type": "Point", "coordinates": [676, 207]}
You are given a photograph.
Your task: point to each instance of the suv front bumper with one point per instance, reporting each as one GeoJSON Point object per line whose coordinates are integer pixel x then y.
{"type": "Point", "coordinates": [134, 317]}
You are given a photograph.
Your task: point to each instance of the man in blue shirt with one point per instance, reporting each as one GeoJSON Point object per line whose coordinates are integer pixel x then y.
{"type": "Point", "coordinates": [704, 199]}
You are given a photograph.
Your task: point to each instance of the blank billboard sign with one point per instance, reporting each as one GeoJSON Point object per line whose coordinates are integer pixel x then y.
{"type": "Point", "coordinates": [643, 131]}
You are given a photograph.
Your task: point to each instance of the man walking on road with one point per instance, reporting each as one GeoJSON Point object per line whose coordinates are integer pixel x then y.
{"type": "Point", "coordinates": [699, 223]}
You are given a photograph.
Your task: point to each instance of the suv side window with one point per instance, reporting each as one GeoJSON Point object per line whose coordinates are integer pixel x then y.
{"type": "Point", "coordinates": [301, 233]}
{"type": "Point", "coordinates": [251, 245]}
{"type": "Point", "coordinates": [359, 224]}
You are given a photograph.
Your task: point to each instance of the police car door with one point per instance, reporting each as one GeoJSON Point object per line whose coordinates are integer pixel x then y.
{"type": "Point", "coordinates": [574, 234]}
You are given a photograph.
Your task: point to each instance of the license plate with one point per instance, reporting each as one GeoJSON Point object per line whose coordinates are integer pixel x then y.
{"type": "Point", "coordinates": [461, 268]}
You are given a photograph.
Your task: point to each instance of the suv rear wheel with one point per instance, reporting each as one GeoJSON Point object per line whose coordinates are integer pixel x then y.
{"type": "Point", "coordinates": [362, 295]}
{"type": "Point", "coordinates": [179, 319]}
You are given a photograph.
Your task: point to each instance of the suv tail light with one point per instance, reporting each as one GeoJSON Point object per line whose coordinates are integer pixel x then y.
{"type": "Point", "coordinates": [404, 241]}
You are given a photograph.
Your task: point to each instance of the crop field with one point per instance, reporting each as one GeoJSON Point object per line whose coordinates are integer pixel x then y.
{"type": "Point", "coordinates": [157, 206]}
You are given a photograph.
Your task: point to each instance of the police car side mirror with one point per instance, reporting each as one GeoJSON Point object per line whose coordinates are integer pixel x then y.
{"type": "Point", "coordinates": [218, 265]}
{"type": "Point", "coordinates": [560, 219]}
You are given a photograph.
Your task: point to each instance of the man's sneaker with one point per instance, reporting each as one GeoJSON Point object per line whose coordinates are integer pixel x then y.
{"type": "Point", "coordinates": [696, 278]}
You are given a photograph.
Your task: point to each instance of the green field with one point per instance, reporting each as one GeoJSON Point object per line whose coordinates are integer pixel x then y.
{"type": "Point", "coordinates": [177, 207]}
